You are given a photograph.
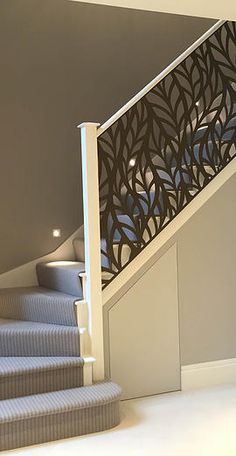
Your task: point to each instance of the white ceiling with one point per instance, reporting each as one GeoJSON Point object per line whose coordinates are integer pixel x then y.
{"type": "Point", "coordinates": [219, 9]}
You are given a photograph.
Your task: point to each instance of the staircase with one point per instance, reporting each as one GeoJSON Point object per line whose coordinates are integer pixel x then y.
{"type": "Point", "coordinates": [46, 390]}
{"type": "Point", "coordinates": [140, 170]}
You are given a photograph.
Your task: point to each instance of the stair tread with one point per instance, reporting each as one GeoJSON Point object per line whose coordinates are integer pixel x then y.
{"type": "Point", "coordinates": [73, 265]}
{"type": "Point", "coordinates": [37, 291]}
{"type": "Point", "coordinates": [8, 325]}
{"type": "Point", "coordinates": [10, 366]}
{"type": "Point", "coordinates": [58, 402]}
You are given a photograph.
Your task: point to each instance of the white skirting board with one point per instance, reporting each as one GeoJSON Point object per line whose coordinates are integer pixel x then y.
{"type": "Point", "coordinates": [208, 374]}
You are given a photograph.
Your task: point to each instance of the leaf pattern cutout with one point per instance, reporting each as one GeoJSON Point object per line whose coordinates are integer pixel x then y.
{"type": "Point", "coordinates": [166, 148]}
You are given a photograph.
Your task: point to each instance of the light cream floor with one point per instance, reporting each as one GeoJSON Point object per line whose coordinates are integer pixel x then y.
{"type": "Point", "coordinates": [197, 423]}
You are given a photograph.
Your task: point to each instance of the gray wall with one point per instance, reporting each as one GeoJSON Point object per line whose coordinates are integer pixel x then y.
{"type": "Point", "coordinates": [63, 63]}
{"type": "Point", "coordinates": [207, 280]}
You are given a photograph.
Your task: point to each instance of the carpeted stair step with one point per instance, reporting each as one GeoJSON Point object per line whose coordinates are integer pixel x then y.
{"type": "Point", "coordinates": [51, 416]}
{"type": "Point", "coordinates": [62, 276]}
{"type": "Point", "coordinates": [23, 338]}
{"type": "Point", "coordinates": [23, 376]}
{"type": "Point", "coordinates": [38, 304]}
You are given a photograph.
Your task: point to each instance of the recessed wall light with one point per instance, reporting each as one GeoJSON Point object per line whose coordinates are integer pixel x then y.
{"type": "Point", "coordinates": [132, 162]}
{"type": "Point", "coordinates": [56, 232]}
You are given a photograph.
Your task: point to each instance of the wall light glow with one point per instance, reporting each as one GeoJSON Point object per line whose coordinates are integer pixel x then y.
{"type": "Point", "coordinates": [56, 232]}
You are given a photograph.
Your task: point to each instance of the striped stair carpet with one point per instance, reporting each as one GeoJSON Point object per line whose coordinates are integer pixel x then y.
{"type": "Point", "coordinates": [60, 414]}
{"type": "Point", "coordinates": [42, 394]}
{"type": "Point", "coordinates": [38, 304]}
{"type": "Point", "coordinates": [23, 376]}
{"type": "Point", "coordinates": [62, 276]}
{"type": "Point", "coordinates": [26, 338]}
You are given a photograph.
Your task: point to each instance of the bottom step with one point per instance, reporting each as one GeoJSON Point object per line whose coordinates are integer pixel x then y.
{"type": "Point", "coordinates": [51, 416]}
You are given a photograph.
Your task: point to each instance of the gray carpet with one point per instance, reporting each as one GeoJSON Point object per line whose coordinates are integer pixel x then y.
{"type": "Point", "coordinates": [23, 376]}
{"type": "Point", "coordinates": [38, 304]}
{"type": "Point", "coordinates": [61, 276]}
{"type": "Point", "coordinates": [51, 416]}
{"type": "Point", "coordinates": [23, 338]}
{"type": "Point", "coordinates": [42, 397]}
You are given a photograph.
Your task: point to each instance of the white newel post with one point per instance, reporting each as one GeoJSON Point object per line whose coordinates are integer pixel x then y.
{"type": "Point", "coordinates": [92, 244]}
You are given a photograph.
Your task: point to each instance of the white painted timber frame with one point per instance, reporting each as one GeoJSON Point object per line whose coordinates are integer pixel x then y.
{"type": "Point", "coordinates": [93, 287]}
{"type": "Point", "coordinates": [95, 298]}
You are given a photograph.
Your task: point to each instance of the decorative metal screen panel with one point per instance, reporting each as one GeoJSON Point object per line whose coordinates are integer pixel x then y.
{"type": "Point", "coordinates": [163, 151]}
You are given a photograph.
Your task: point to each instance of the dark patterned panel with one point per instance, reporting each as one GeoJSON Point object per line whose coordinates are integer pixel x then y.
{"type": "Point", "coordinates": [166, 148]}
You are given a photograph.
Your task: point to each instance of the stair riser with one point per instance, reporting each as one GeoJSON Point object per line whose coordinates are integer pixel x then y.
{"type": "Point", "coordinates": [39, 312]}
{"type": "Point", "coordinates": [34, 344]}
{"type": "Point", "coordinates": [64, 279]}
{"type": "Point", "coordinates": [40, 382]}
{"type": "Point", "coordinates": [47, 428]}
